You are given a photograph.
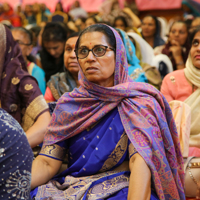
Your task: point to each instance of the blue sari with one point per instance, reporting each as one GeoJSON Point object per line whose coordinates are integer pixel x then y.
{"type": "Point", "coordinates": [15, 159]}
{"type": "Point", "coordinates": [95, 163]}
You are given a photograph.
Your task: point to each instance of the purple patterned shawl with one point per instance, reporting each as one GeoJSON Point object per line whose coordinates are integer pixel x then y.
{"type": "Point", "coordinates": [145, 115]}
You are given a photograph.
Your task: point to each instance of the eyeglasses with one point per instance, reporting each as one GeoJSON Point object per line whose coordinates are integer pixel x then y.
{"type": "Point", "coordinates": [20, 42]}
{"type": "Point", "coordinates": [97, 51]}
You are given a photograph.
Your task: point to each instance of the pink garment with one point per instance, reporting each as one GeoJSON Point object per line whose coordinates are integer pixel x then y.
{"type": "Point", "coordinates": [175, 86]}
{"type": "Point", "coordinates": [48, 95]}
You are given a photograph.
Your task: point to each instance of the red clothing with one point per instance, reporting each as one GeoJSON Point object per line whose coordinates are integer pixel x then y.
{"type": "Point", "coordinates": [48, 95]}
{"type": "Point", "coordinates": [176, 87]}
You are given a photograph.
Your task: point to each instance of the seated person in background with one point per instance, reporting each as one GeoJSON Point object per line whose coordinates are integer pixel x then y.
{"type": "Point", "coordinates": [151, 31]}
{"type": "Point", "coordinates": [20, 95]}
{"type": "Point", "coordinates": [16, 159]}
{"type": "Point", "coordinates": [135, 71]}
{"type": "Point", "coordinates": [25, 40]}
{"type": "Point", "coordinates": [178, 46]}
{"type": "Point", "coordinates": [144, 53]}
{"type": "Point", "coordinates": [54, 37]}
{"type": "Point", "coordinates": [118, 133]}
{"type": "Point", "coordinates": [66, 81]}
{"type": "Point", "coordinates": [90, 21]}
{"type": "Point", "coordinates": [195, 22]}
{"type": "Point", "coordinates": [184, 85]}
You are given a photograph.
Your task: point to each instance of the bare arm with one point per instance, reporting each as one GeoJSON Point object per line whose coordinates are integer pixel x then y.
{"type": "Point", "coordinates": [135, 18]}
{"type": "Point", "coordinates": [35, 134]}
{"type": "Point", "coordinates": [43, 169]}
{"type": "Point", "coordinates": [140, 179]}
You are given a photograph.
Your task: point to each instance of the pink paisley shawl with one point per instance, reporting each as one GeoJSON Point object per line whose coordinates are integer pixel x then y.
{"type": "Point", "coordinates": [145, 115]}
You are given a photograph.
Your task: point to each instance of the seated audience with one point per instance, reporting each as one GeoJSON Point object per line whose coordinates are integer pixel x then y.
{"type": "Point", "coordinates": [118, 133]}
{"type": "Point", "coordinates": [66, 81]}
{"type": "Point", "coordinates": [9, 15]}
{"type": "Point", "coordinates": [25, 41]}
{"type": "Point", "coordinates": [177, 47]}
{"type": "Point", "coordinates": [183, 85]}
{"type": "Point", "coordinates": [16, 159]}
{"type": "Point", "coordinates": [20, 95]}
{"type": "Point", "coordinates": [53, 44]}
{"type": "Point", "coordinates": [151, 31]}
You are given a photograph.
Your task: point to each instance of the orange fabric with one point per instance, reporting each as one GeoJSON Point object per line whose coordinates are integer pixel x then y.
{"type": "Point", "coordinates": [175, 86]}
{"type": "Point", "coordinates": [48, 95]}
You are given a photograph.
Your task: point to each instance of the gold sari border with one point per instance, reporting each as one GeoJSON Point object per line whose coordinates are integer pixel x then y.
{"type": "Point", "coordinates": [54, 151]}
{"type": "Point", "coordinates": [33, 111]}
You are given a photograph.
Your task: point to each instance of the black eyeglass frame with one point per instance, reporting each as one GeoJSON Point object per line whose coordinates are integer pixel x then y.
{"type": "Point", "coordinates": [106, 47]}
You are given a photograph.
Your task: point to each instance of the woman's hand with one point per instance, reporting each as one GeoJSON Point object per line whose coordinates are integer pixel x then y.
{"type": "Point", "coordinates": [140, 179]}
{"type": "Point", "coordinates": [176, 50]}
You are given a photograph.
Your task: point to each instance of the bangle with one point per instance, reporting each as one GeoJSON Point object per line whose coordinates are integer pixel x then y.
{"type": "Point", "coordinates": [180, 63]}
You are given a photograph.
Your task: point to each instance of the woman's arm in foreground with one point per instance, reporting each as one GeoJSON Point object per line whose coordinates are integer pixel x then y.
{"type": "Point", "coordinates": [43, 169]}
{"type": "Point", "coordinates": [35, 134]}
{"type": "Point", "coordinates": [140, 179]}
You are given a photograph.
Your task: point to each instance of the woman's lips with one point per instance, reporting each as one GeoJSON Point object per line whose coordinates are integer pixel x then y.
{"type": "Point", "coordinates": [197, 56]}
{"type": "Point", "coordinates": [73, 64]}
{"type": "Point", "coordinates": [91, 69]}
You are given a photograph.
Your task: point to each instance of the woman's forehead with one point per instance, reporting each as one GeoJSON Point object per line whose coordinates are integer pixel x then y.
{"type": "Point", "coordinates": [92, 38]}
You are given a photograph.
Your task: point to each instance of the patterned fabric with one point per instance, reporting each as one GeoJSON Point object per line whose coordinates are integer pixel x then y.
{"type": "Point", "coordinates": [135, 71]}
{"type": "Point", "coordinates": [19, 90]}
{"type": "Point", "coordinates": [98, 167]}
{"type": "Point", "coordinates": [15, 160]}
{"type": "Point", "coordinates": [145, 115]}
{"type": "Point", "coordinates": [60, 83]}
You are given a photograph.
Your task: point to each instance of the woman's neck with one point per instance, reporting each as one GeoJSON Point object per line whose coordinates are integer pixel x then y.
{"type": "Point", "coordinates": [150, 40]}
{"type": "Point", "coordinates": [75, 77]}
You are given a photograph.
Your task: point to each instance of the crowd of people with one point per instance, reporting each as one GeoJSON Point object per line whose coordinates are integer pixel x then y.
{"type": "Point", "coordinates": [95, 97]}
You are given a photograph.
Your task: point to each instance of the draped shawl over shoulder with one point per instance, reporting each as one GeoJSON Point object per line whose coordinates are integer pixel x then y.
{"type": "Point", "coordinates": [20, 95]}
{"type": "Point", "coordinates": [145, 115]}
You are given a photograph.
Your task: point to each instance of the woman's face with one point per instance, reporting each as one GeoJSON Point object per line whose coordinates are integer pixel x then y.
{"type": "Point", "coordinates": [195, 50]}
{"type": "Point", "coordinates": [99, 70]}
{"type": "Point", "coordinates": [120, 24]}
{"type": "Point", "coordinates": [55, 49]}
{"type": "Point", "coordinates": [178, 33]}
{"type": "Point", "coordinates": [89, 22]}
{"type": "Point", "coordinates": [70, 60]}
{"type": "Point", "coordinates": [148, 27]}
{"type": "Point", "coordinates": [24, 42]}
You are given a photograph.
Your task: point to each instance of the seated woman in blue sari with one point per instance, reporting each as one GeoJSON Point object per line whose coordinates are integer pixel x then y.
{"type": "Point", "coordinates": [119, 135]}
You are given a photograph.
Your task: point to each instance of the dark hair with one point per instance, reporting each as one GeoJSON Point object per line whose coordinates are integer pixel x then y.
{"type": "Point", "coordinates": [102, 28]}
{"type": "Point", "coordinates": [194, 32]}
{"type": "Point", "coordinates": [25, 31]}
{"type": "Point", "coordinates": [54, 31]}
{"type": "Point", "coordinates": [75, 34]}
{"type": "Point", "coordinates": [60, 6]}
{"type": "Point", "coordinates": [122, 19]}
{"type": "Point", "coordinates": [36, 30]}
